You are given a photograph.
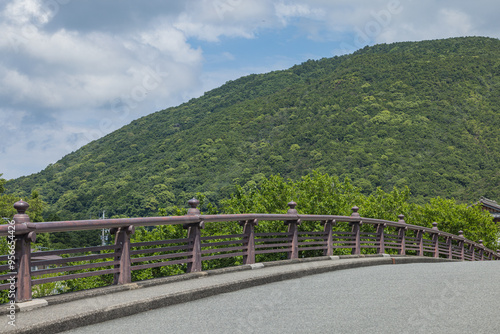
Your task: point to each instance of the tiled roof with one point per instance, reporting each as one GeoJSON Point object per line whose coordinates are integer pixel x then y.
{"type": "Point", "coordinates": [490, 203]}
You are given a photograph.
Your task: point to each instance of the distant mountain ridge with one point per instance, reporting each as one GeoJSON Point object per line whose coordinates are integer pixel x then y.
{"type": "Point", "coordinates": [422, 114]}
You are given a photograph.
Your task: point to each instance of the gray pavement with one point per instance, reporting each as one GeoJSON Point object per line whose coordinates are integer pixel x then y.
{"type": "Point", "coordinates": [283, 298]}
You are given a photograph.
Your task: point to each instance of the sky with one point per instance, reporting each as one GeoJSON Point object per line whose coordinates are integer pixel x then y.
{"type": "Point", "coordinates": [72, 71]}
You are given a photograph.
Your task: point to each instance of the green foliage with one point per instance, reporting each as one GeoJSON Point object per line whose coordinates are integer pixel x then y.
{"type": "Point", "coordinates": [7, 205]}
{"type": "Point", "coordinates": [47, 289]}
{"type": "Point", "coordinates": [35, 210]}
{"type": "Point", "coordinates": [162, 232]}
{"type": "Point", "coordinates": [2, 182]}
{"type": "Point", "coordinates": [451, 217]}
{"type": "Point", "coordinates": [80, 283]}
{"type": "Point", "coordinates": [74, 239]}
{"type": "Point", "coordinates": [318, 193]}
{"type": "Point", "coordinates": [388, 206]}
{"type": "Point", "coordinates": [7, 212]}
{"type": "Point", "coordinates": [6, 202]}
{"type": "Point", "coordinates": [87, 282]}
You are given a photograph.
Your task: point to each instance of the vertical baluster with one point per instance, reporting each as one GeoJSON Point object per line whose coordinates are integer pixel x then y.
{"type": "Point", "coordinates": [419, 235]}
{"type": "Point", "coordinates": [380, 238]}
{"type": "Point", "coordinates": [328, 229]}
{"type": "Point", "coordinates": [461, 244]}
{"type": "Point", "coordinates": [249, 240]}
{"type": "Point", "coordinates": [402, 236]}
{"type": "Point", "coordinates": [356, 232]}
{"type": "Point", "coordinates": [481, 250]}
{"type": "Point", "coordinates": [449, 248]}
{"type": "Point", "coordinates": [23, 252]}
{"type": "Point", "coordinates": [122, 254]}
{"type": "Point", "coordinates": [293, 232]}
{"type": "Point", "coordinates": [194, 236]}
{"type": "Point", "coordinates": [435, 240]}
{"type": "Point", "coordinates": [472, 251]}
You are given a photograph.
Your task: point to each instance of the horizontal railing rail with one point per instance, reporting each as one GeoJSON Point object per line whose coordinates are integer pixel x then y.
{"type": "Point", "coordinates": [353, 234]}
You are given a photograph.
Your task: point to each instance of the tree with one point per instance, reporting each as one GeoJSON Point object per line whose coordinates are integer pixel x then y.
{"type": "Point", "coordinates": [6, 202]}
{"type": "Point", "coordinates": [318, 193]}
{"type": "Point", "coordinates": [35, 210]}
{"type": "Point", "coordinates": [7, 212]}
{"type": "Point", "coordinates": [2, 182]}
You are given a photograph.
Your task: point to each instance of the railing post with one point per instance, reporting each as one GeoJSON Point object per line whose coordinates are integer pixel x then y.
{"type": "Point", "coordinates": [328, 229]}
{"type": "Point", "coordinates": [419, 235]}
{"type": "Point", "coordinates": [481, 250]}
{"type": "Point", "coordinates": [194, 236]}
{"type": "Point", "coordinates": [449, 241]}
{"type": "Point", "coordinates": [380, 238]}
{"type": "Point", "coordinates": [356, 232]}
{"type": "Point", "coordinates": [249, 240]}
{"type": "Point", "coordinates": [435, 240]}
{"type": "Point", "coordinates": [461, 244]}
{"type": "Point", "coordinates": [122, 254]}
{"type": "Point", "coordinates": [472, 251]}
{"type": "Point", "coordinates": [402, 236]}
{"type": "Point", "coordinates": [293, 232]}
{"type": "Point", "coordinates": [23, 252]}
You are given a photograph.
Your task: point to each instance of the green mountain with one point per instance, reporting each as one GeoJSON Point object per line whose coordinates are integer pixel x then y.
{"type": "Point", "coordinates": [419, 114]}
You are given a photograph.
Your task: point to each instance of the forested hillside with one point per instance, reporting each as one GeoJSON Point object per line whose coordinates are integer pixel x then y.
{"type": "Point", "coordinates": [420, 114]}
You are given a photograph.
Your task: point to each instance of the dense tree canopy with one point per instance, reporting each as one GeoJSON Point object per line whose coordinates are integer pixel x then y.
{"type": "Point", "coordinates": [35, 211]}
{"type": "Point", "coordinates": [421, 114]}
{"type": "Point", "coordinates": [319, 193]}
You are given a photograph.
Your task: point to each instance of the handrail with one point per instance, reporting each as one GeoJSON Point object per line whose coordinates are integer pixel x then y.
{"type": "Point", "coordinates": [96, 224]}
{"type": "Point", "coordinates": [191, 251]}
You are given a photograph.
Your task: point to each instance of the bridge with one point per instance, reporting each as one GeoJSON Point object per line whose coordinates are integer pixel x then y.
{"type": "Point", "coordinates": [368, 240]}
{"type": "Point", "coordinates": [369, 295]}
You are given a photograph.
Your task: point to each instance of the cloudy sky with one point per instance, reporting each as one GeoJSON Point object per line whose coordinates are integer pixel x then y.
{"type": "Point", "coordinates": [72, 71]}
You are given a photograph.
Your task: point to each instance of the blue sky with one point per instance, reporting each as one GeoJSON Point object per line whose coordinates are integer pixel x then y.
{"type": "Point", "coordinates": [72, 71]}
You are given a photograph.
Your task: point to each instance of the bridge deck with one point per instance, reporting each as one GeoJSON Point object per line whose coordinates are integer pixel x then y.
{"type": "Point", "coordinates": [409, 299]}
{"type": "Point", "coordinates": [95, 306]}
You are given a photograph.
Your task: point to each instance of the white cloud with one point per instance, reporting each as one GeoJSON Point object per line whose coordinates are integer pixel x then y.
{"type": "Point", "coordinates": [46, 143]}
{"type": "Point", "coordinates": [22, 12]}
{"type": "Point", "coordinates": [74, 71]}
{"type": "Point", "coordinates": [285, 12]}
{"type": "Point", "coordinates": [210, 20]}
{"type": "Point", "coordinates": [94, 80]}
{"type": "Point", "coordinates": [170, 41]}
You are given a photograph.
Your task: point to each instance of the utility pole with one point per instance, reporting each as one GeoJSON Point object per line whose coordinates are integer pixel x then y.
{"type": "Point", "coordinates": [104, 237]}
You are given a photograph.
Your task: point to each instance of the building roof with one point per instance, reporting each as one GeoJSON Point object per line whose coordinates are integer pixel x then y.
{"type": "Point", "coordinates": [490, 205]}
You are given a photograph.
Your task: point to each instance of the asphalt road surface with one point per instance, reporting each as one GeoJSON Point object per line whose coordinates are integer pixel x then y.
{"type": "Point", "coordinates": [456, 297]}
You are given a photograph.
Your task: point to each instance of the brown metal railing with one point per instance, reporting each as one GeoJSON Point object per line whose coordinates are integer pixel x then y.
{"type": "Point", "coordinates": [340, 233]}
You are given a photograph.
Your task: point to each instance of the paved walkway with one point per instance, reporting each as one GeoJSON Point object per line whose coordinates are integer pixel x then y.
{"type": "Point", "coordinates": [413, 298]}
{"type": "Point", "coordinates": [383, 299]}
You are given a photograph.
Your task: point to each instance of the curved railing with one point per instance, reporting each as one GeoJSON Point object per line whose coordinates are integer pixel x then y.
{"type": "Point", "coordinates": [339, 235]}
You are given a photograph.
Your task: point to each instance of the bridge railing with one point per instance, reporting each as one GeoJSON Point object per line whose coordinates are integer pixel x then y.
{"type": "Point", "coordinates": [353, 234]}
